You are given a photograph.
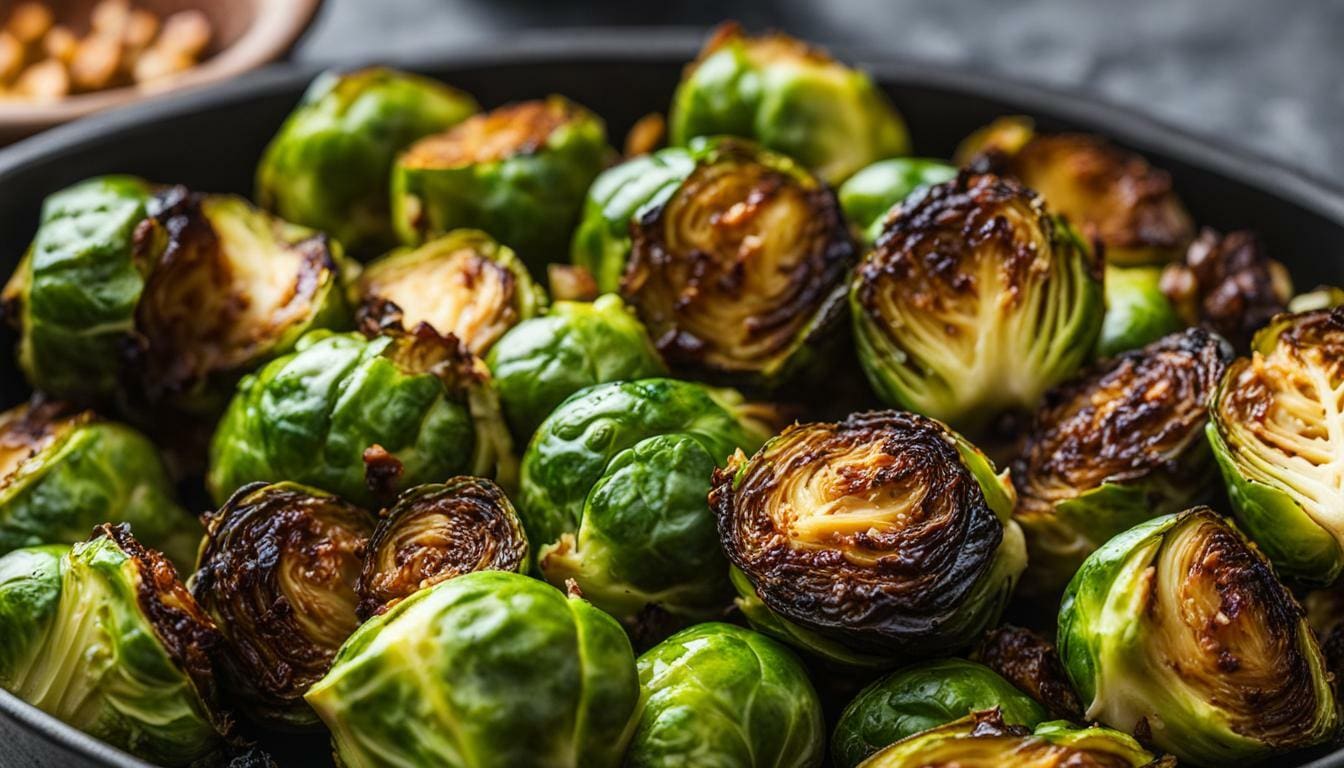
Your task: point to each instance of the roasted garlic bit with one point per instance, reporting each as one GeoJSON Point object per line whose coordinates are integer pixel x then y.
{"type": "Point", "coordinates": [1229, 284]}
{"type": "Point", "coordinates": [96, 62]}
{"type": "Point", "coordinates": [28, 22]}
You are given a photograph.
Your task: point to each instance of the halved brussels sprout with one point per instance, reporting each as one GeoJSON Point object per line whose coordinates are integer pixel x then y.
{"type": "Point", "coordinates": [1179, 630]}
{"type": "Point", "coordinates": [717, 694]}
{"type": "Point", "coordinates": [1273, 432]}
{"type": "Point", "coordinates": [363, 418]}
{"type": "Point", "coordinates": [463, 283]}
{"type": "Point", "coordinates": [438, 532]}
{"type": "Point", "coordinates": [789, 96]}
{"type": "Point", "coordinates": [613, 494]}
{"type": "Point", "coordinates": [921, 697]}
{"type": "Point", "coordinates": [884, 537]}
{"type": "Point", "coordinates": [1112, 195]}
{"type": "Point", "coordinates": [873, 193]}
{"type": "Point", "coordinates": [277, 573]}
{"type": "Point", "coordinates": [1137, 311]}
{"type": "Point", "coordinates": [542, 361]}
{"type": "Point", "coordinates": [329, 164]}
{"type": "Point", "coordinates": [975, 301]}
{"type": "Point", "coordinates": [1227, 283]}
{"type": "Point", "coordinates": [1120, 444]}
{"type": "Point", "coordinates": [518, 172]}
{"type": "Point", "coordinates": [491, 669]}
{"type": "Point", "coordinates": [1032, 664]}
{"type": "Point", "coordinates": [104, 637]}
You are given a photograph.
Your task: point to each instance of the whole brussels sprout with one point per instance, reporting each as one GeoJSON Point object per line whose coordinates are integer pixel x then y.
{"type": "Point", "coordinates": [975, 301]}
{"type": "Point", "coordinates": [884, 537]}
{"type": "Point", "coordinates": [519, 173]}
{"type": "Point", "coordinates": [487, 669]}
{"type": "Point", "coordinates": [921, 697]}
{"type": "Point", "coordinates": [542, 361]}
{"type": "Point", "coordinates": [104, 637]}
{"type": "Point", "coordinates": [790, 97]}
{"type": "Point", "coordinates": [280, 545]}
{"type": "Point", "coordinates": [720, 695]}
{"type": "Point", "coordinates": [438, 532]}
{"type": "Point", "coordinates": [362, 418]}
{"type": "Point", "coordinates": [328, 166]}
{"type": "Point", "coordinates": [1120, 444]}
{"type": "Point", "coordinates": [1228, 283]}
{"type": "Point", "coordinates": [1137, 311]}
{"type": "Point", "coordinates": [733, 256]}
{"type": "Point", "coordinates": [873, 193]}
{"type": "Point", "coordinates": [1178, 628]}
{"type": "Point", "coordinates": [613, 494]}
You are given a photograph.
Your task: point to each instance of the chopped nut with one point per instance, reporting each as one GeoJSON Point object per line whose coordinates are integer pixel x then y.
{"type": "Point", "coordinates": [96, 61]}
{"type": "Point", "coordinates": [29, 22]}
{"type": "Point", "coordinates": [571, 283]}
{"type": "Point", "coordinates": [185, 32]}
{"type": "Point", "coordinates": [110, 17]}
{"type": "Point", "coordinates": [155, 63]}
{"type": "Point", "coordinates": [11, 57]}
{"type": "Point", "coordinates": [645, 135]}
{"type": "Point", "coordinates": [140, 29]}
{"type": "Point", "coordinates": [44, 81]}
{"type": "Point", "coordinates": [60, 43]}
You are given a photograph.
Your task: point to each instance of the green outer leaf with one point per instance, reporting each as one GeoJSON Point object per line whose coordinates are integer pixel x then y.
{"type": "Point", "coordinates": [30, 594]}
{"type": "Point", "coordinates": [1137, 312]}
{"type": "Point", "coordinates": [869, 195]}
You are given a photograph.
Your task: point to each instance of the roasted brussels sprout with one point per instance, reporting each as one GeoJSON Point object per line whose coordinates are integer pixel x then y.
{"type": "Point", "coordinates": [1118, 445]}
{"type": "Point", "coordinates": [874, 192]}
{"type": "Point", "coordinates": [884, 537]}
{"type": "Point", "coordinates": [1137, 311]}
{"type": "Point", "coordinates": [519, 173]}
{"type": "Point", "coordinates": [921, 697]}
{"type": "Point", "coordinates": [1227, 283]}
{"type": "Point", "coordinates": [789, 96]}
{"type": "Point", "coordinates": [613, 494]}
{"type": "Point", "coordinates": [1320, 297]}
{"type": "Point", "coordinates": [1032, 664]}
{"type": "Point", "coordinates": [1179, 629]}
{"type": "Point", "coordinates": [329, 164]}
{"type": "Point", "coordinates": [362, 418]}
{"type": "Point", "coordinates": [277, 573]}
{"type": "Point", "coordinates": [463, 283]}
{"type": "Point", "coordinates": [542, 361]}
{"type": "Point", "coordinates": [487, 669]}
{"type": "Point", "coordinates": [104, 637]}
{"type": "Point", "coordinates": [436, 532]}
{"type": "Point", "coordinates": [975, 302]}
{"type": "Point", "coordinates": [720, 695]}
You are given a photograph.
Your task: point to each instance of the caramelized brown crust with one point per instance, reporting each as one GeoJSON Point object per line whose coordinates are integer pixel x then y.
{"type": "Point", "coordinates": [512, 130]}
{"type": "Point", "coordinates": [28, 430]}
{"type": "Point", "coordinates": [1228, 284]}
{"type": "Point", "coordinates": [1261, 389]}
{"type": "Point", "coordinates": [1031, 663]}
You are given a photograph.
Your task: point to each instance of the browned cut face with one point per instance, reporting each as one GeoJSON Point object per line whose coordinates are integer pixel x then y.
{"type": "Point", "coordinates": [772, 47]}
{"type": "Point", "coordinates": [1031, 663]}
{"type": "Point", "coordinates": [28, 430]}
{"type": "Point", "coordinates": [1229, 284]}
{"type": "Point", "coordinates": [515, 129]}
{"type": "Point", "coordinates": [984, 741]}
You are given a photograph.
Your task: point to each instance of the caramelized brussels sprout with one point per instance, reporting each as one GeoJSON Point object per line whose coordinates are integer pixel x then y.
{"type": "Point", "coordinates": [437, 532]}
{"type": "Point", "coordinates": [1121, 444]}
{"type": "Point", "coordinates": [1179, 629]}
{"type": "Point", "coordinates": [463, 283]}
{"type": "Point", "coordinates": [328, 166]}
{"type": "Point", "coordinates": [886, 536]}
{"type": "Point", "coordinates": [104, 637]}
{"type": "Point", "coordinates": [1032, 664]}
{"type": "Point", "coordinates": [790, 97]}
{"type": "Point", "coordinates": [873, 193]}
{"type": "Point", "coordinates": [1137, 311]}
{"type": "Point", "coordinates": [489, 670]}
{"type": "Point", "coordinates": [1227, 283]}
{"type": "Point", "coordinates": [975, 301]}
{"type": "Point", "coordinates": [1320, 297]}
{"type": "Point", "coordinates": [277, 574]}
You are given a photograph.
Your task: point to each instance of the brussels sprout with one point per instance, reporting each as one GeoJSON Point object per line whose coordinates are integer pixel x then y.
{"type": "Point", "coordinates": [921, 697]}
{"type": "Point", "coordinates": [63, 471]}
{"type": "Point", "coordinates": [1120, 444]}
{"type": "Point", "coordinates": [1113, 195]}
{"type": "Point", "coordinates": [363, 418]}
{"type": "Point", "coordinates": [542, 361]}
{"type": "Point", "coordinates": [1031, 663]}
{"type": "Point", "coordinates": [720, 695]}
{"type": "Point", "coordinates": [874, 192]}
{"type": "Point", "coordinates": [280, 545]}
{"type": "Point", "coordinates": [1179, 629]}
{"type": "Point", "coordinates": [104, 637]}
{"type": "Point", "coordinates": [1273, 435]}
{"type": "Point", "coordinates": [487, 669]}
{"type": "Point", "coordinates": [463, 283]}
{"type": "Point", "coordinates": [437, 532]}
{"type": "Point", "coordinates": [1227, 283]}
{"type": "Point", "coordinates": [1137, 311]}
{"type": "Point", "coordinates": [734, 257]}
{"type": "Point", "coordinates": [975, 302]}
{"type": "Point", "coordinates": [519, 173]}
{"type": "Point", "coordinates": [1320, 297]}
{"type": "Point", "coordinates": [329, 164]}
{"type": "Point", "coordinates": [886, 536]}
{"type": "Point", "coordinates": [790, 97]}
{"type": "Point", "coordinates": [613, 494]}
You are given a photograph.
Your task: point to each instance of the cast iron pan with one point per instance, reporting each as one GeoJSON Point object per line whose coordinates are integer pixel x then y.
{"type": "Point", "coordinates": [211, 139]}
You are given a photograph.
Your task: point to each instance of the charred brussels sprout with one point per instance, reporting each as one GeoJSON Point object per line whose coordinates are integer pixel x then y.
{"type": "Point", "coordinates": [328, 166]}
{"type": "Point", "coordinates": [1121, 444]}
{"type": "Point", "coordinates": [363, 418]}
{"type": "Point", "coordinates": [975, 301]}
{"type": "Point", "coordinates": [1032, 664]}
{"type": "Point", "coordinates": [104, 637]}
{"type": "Point", "coordinates": [720, 695]}
{"type": "Point", "coordinates": [874, 192]}
{"type": "Point", "coordinates": [437, 532]}
{"type": "Point", "coordinates": [882, 537]}
{"type": "Point", "coordinates": [1227, 283]}
{"type": "Point", "coordinates": [1137, 311]}
{"type": "Point", "coordinates": [463, 283]}
{"type": "Point", "coordinates": [277, 574]}
{"type": "Point", "coordinates": [1179, 628]}
{"type": "Point", "coordinates": [488, 669]}
{"type": "Point", "coordinates": [790, 97]}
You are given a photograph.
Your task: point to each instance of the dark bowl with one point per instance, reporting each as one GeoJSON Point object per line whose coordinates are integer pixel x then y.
{"type": "Point", "coordinates": [210, 140]}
